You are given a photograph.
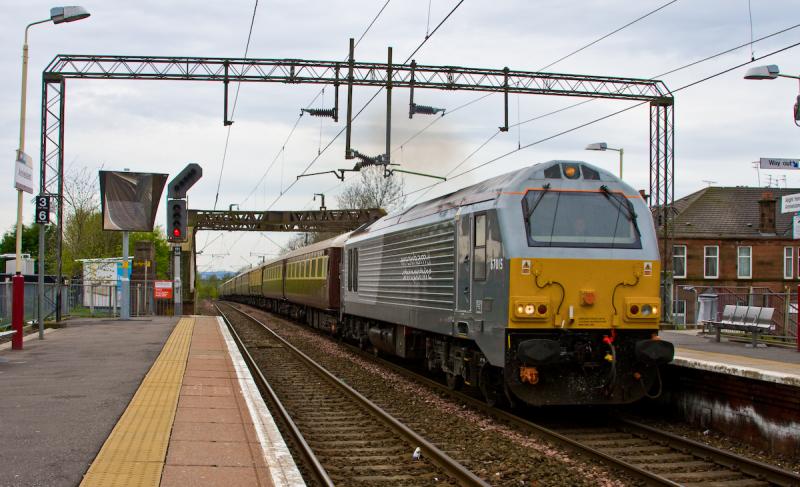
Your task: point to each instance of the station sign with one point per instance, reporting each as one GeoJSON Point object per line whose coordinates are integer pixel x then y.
{"type": "Point", "coordinates": [162, 289]}
{"type": "Point", "coordinates": [790, 203]}
{"type": "Point", "coordinates": [779, 163]}
{"type": "Point", "coordinates": [23, 173]}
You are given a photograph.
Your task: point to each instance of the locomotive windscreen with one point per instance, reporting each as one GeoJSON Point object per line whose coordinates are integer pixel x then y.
{"type": "Point", "coordinates": [580, 219]}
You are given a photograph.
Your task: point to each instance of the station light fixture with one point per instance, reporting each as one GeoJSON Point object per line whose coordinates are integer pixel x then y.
{"type": "Point", "coordinates": [602, 146]}
{"type": "Point", "coordinates": [772, 71]}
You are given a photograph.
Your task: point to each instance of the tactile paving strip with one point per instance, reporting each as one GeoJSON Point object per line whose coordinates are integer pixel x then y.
{"type": "Point", "coordinates": [134, 453]}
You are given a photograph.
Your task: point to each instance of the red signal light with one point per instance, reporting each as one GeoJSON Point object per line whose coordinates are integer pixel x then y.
{"type": "Point", "coordinates": [176, 232]}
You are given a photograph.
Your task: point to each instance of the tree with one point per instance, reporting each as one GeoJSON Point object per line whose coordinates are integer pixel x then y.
{"type": "Point", "coordinates": [307, 238]}
{"type": "Point", "coordinates": [372, 190]}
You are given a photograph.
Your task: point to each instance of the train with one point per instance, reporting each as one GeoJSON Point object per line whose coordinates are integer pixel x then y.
{"type": "Point", "coordinates": [538, 286]}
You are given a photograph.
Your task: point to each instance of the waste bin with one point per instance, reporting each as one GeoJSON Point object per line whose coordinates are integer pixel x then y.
{"type": "Point", "coordinates": [707, 304]}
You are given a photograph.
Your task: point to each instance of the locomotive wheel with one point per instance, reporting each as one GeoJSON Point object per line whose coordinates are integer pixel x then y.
{"type": "Point", "coordinates": [454, 382]}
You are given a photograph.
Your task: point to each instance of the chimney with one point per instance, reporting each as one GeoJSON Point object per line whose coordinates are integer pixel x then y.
{"type": "Point", "coordinates": [767, 207]}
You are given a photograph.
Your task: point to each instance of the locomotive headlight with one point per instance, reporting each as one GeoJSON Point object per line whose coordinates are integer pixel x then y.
{"type": "Point", "coordinates": [530, 308]}
{"type": "Point", "coordinates": [644, 309]}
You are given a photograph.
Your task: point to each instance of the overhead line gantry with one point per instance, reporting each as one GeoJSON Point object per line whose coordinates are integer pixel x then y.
{"type": "Point", "coordinates": [352, 73]}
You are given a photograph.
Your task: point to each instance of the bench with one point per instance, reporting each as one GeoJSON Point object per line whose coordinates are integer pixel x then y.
{"type": "Point", "coordinates": [752, 319]}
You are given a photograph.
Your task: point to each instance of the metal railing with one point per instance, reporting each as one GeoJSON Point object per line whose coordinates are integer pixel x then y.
{"type": "Point", "coordinates": [103, 299]}
{"type": "Point", "coordinates": [687, 306]}
{"type": "Point", "coordinates": [31, 302]}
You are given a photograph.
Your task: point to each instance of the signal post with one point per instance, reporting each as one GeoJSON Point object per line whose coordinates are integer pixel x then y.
{"type": "Point", "coordinates": [178, 223]}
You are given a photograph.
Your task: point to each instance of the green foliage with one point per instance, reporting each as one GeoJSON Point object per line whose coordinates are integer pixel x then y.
{"type": "Point", "coordinates": [30, 241]}
{"type": "Point", "coordinates": [207, 286]}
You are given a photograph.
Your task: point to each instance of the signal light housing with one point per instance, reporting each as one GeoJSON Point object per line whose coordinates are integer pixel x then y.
{"type": "Point", "coordinates": [177, 220]}
{"type": "Point", "coordinates": [185, 179]}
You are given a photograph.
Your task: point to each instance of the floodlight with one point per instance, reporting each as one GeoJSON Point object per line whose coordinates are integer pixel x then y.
{"type": "Point", "coordinates": [762, 72]}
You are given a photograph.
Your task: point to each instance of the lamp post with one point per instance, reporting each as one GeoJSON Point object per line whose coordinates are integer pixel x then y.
{"type": "Point", "coordinates": [602, 146]}
{"type": "Point", "coordinates": [58, 15]}
{"type": "Point", "coordinates": [772, 71]}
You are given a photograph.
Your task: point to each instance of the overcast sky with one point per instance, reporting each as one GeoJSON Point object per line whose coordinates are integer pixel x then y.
{"type": "Point", "coordinates": [722, 125]}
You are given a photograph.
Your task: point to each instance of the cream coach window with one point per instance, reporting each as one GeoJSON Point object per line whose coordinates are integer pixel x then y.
{"type": "Point", "coordinates": [679, 261]}
{"type": "Point", "coordinates": [744, 262]}
{"type": "Point", "coordinates": [711, 262]}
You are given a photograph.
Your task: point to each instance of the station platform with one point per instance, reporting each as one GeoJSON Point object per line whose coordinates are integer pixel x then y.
{"type": "Point", "coordinates": [771, 364]}
{"type": "Point", "coordinates": [160, 402]}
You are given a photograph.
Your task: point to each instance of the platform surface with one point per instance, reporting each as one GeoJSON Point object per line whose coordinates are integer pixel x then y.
{"type": "Point", "coordinates": [196, 420]}
{"type": "Point", "coordinates": [772, 364]}
{"type": "Point", "coordinates": [60, 397]}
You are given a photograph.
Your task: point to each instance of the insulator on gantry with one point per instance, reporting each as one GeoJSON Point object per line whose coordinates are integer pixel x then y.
{"type": "Point", "coordinates": [426, 109]}
{"type": "Point", "coordinates": [319, 112]}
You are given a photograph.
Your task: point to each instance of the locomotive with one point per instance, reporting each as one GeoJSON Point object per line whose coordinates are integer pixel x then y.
{"type": "Point", "coordinates": [540, 285]}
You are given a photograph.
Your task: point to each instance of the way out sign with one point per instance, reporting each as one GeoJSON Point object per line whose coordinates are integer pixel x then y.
{"type": "Point", "coordinates": [162, 289]}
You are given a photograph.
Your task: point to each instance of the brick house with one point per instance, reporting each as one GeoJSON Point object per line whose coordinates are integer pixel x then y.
{"type": "Point", "coordinates": [736, 242]}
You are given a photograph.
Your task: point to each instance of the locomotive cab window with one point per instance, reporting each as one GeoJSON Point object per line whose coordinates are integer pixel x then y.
{"type": "Point", "coordinates": [479, 249]}
{"type": "Point", "coordinates": [570, 219]}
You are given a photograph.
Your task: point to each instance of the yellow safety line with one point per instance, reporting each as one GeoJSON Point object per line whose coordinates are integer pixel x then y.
{"type": "Point", "coordinates": [135, 452]}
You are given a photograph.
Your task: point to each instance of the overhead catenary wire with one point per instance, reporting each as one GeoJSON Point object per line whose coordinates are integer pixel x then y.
{"type": "Point", "coordinates": [308, 105]}
{"type": "Point", "coordinates": [607, 116]}
{"type": "Point", "coordinates": [338, 134]}
{"type": "Point", "coordinates": [291, 132]}
{"type": "Point", "coordinates": [583, 102]}
{"type": "Point", "coordinates": [551, 64]}
{"type": "Point", "coordinates": [233, 110]}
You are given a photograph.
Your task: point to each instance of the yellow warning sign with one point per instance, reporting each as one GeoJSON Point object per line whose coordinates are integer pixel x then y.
{"type": "Point", "coordinates": [648, 268]}
{"type": "Point", "coordinates": [526, 267]}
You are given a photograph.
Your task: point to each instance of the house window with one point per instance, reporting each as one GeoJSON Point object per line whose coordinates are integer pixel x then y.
{"type": "Point", "coordinates": [679, 261]}
{"type": "Point", "coordinates": [711, 262]}
{"type": "Point", "coordinates": [788, 262]}
{"type": "Point", "coordinates": [744, 262]}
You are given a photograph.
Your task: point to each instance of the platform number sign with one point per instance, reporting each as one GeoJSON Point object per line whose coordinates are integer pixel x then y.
{"type": "Point", "coordinates": [43, 209]}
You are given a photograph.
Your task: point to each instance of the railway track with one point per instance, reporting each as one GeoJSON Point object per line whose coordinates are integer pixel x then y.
{"type": "Point", "coordinates": [644, 453]}
{"type": "Point", "coordinates": [344, 438]}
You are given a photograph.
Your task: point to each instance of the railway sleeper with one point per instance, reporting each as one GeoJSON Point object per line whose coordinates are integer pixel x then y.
{"type": "Point", "coordinates": [705, 476]}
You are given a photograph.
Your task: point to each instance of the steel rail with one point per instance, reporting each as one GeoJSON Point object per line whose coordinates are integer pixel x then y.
{"type": "Point", "coordinates": [756, 469]}
{"type": "Point", "coordinates": [745, 465]}
{"type": "Point", "coordinates": [463, 475]}
{"type": "Point", "coordinates": [317, 470]}
{"type": "Point", "coordinates": [637, 473]}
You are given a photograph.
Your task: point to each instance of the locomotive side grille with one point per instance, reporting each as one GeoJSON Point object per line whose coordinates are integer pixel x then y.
{"type": "Point", "coordinates": [410, 268]}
